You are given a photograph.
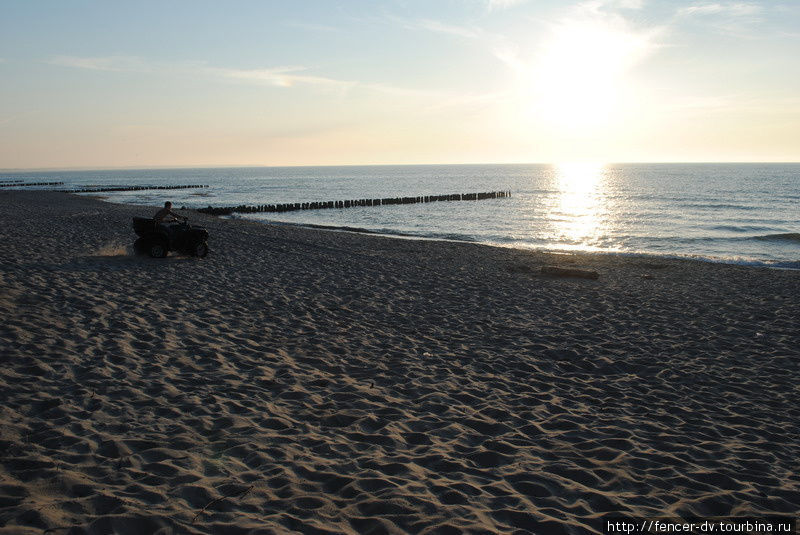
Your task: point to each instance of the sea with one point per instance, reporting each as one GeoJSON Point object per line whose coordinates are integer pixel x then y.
{"type": "Point", "coordinates": [744, 213]}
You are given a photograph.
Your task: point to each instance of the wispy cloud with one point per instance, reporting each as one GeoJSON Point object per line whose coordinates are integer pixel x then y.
{"type": "Point", "coordinates": [493, 5]}
{"type": "Point", "coordinates": [738, 9]}
{"type": "Point", "coordinates": [295, 76]}
{"type": "Point", "coordinates": [605, 8]}
{"type": "Point", "coordinates": [312, 27]}
{"type": "Point", "coordinates": [604, 22]}
{"type": "Point", "coordinates": [496, 44]}
{"type": "Point", "coordinates": [609, 5]}
{"type": "Point", "coordinates": [733, 18]}
{"type": "Point", "coordinates": [449, 29]}
{"type": "Point", "coordinates": [509, 54]}
{"type": "Point", "coordinates": [107, 63]}
{"type": "Point", "coordinates": [282, 76]}
{"type": "Point", "coordinates": [631, 4]}
{"type": "Point", "coordinates": [517, 54]}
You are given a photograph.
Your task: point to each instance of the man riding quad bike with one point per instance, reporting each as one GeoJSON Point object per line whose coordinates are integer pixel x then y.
{"type": "Point", "coordinates": [158, 239]}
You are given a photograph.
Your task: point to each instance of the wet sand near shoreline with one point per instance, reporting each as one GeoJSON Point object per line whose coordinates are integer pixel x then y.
{"type": "Point", "coordinates": [302, 380]}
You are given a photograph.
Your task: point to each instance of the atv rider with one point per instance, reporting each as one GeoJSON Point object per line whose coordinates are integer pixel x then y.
{"type": "Point", "coordinates": [162, 215]}
{"type": "Point", "coordinates": [164, 212]}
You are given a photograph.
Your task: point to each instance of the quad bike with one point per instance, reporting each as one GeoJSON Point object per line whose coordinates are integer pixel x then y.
{"type": "Point", "coordinates": [158, 239]}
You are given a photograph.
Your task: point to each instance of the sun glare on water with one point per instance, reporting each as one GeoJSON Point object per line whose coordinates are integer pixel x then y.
{"type": "Point", "coordinates": [578, 209]}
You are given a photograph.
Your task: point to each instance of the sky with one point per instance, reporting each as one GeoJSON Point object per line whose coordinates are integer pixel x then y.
{"type": "Point", "coordinates": [98, 84]}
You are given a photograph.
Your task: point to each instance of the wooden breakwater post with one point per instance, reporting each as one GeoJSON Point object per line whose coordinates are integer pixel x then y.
{"type": "Point", "coordinates": [325, 205]}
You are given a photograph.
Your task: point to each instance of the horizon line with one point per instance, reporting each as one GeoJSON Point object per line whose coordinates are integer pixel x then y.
{"type": "Point", "coordinates": [216, 166]}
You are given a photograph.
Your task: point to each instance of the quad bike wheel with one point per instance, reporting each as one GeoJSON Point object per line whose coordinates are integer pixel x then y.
{"type": "Point", "coordinates": [157, 249]}
{"type": "Point", "coordinates": [201, 250]}
{"type": "Point", "coordinates": [140, 246]}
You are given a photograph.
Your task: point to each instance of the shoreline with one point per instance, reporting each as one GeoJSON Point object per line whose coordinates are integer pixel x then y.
{"type": "Point", "coordinates": [662, 225]}
{"type": "Point", "coordinates": [769, 264]}
{"type": "Point", "coordinates": [297, 380]}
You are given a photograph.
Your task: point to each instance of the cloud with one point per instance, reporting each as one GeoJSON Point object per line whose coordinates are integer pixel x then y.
{"type": "Point", "coordinates": [631, 4]}
{"type": "Point", "coordinates": [601, 19]}
{"type": "Point", "coordinates": [493, 5]}
{"type": "Point", "coordinates": [738, 9]}
{"type": "Point", "coordinates": [605, 7]}
{"type": "Point", "coordinates": [282, 76]}
{"type": "Point", "coordinates": [594, 15]}
{"type": "Point", "coordinates": [276, 76]}
{"type": "Point", "coordinates": [599, 5]}
{"type": "Point", "coordinates": [498, 45]}
{"type": "Point", "coordinates": [732, 18]}
{"type": "Point", "coordinates": [312, 27]}
{"type": "Point", "coordinates": [449, 29]}
{"type": "Point", "coordinates": [108, 63]}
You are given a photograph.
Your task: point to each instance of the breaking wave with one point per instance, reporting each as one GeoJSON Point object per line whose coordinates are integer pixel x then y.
{"type": "Point", "coordinates": [785, 237]}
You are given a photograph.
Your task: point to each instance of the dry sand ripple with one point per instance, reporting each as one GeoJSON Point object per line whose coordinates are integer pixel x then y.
{"type": "Point", "coordinates": [306, 381]}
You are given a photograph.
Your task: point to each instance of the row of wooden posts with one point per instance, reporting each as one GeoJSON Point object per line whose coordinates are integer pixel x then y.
{"type": "Point", "coordinates": [285, 207]}
{"type": "Point", "coordinates": [290, 207]}
{"type": "Point", "coordinates": [95, 189]}
{"type": "Point", "coordinates": [20, 183]}
{"type": "Point", "coordinates": [128, 188]}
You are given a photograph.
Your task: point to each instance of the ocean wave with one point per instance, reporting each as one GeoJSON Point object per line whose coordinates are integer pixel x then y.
{"type": "Point", "coordinates": [787, 236]}
{"type": "Point", "coordinates": [732, 260]}
{"type": "Point", "coordinates": [739, 228]}
{"type": "Point", "coordinates": [783, 237]}
{"type": "Point", "coordinates": [720, 206]}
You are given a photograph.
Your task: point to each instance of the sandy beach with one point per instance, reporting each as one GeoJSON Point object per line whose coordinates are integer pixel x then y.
{"type": "Point", "coordinates": [307, 381]}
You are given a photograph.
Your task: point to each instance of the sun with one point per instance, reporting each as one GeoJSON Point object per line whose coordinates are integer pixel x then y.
{"type": "Point", "coordinates": [579, 80]}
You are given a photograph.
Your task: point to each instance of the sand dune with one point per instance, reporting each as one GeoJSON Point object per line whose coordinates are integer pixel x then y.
{"type": "Point", "coordinates": [299, 380]}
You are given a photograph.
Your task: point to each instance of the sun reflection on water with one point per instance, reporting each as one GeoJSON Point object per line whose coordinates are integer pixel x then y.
{"type": "Point", "coordinates": [578, 211]}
